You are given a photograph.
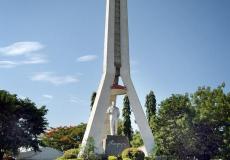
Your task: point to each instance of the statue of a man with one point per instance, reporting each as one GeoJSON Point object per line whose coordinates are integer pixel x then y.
{"type": "Point", "coordinates": [114, 114]}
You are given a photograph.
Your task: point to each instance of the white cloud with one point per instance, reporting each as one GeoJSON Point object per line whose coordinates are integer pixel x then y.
{"type": "Point", "coordinates": [35, 59]}
{"type": "Point", "coordinates": [21, 48]}
{"type": "Point", "coordinates": [47, 96]}
{"type": "Point", "coordinates": [7, 64]}
{"type": "Point", "coordinates": [54, 79]}
{"type": "Point", "coordinates": [87, 58]}
{"type": "Point", "coordinates": [31, 60]}
{"type": "Point", "coordinates": [25, 49]}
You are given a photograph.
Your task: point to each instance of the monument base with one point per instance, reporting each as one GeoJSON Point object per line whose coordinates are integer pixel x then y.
{"type": "Point", "coordinates": [114, 145]}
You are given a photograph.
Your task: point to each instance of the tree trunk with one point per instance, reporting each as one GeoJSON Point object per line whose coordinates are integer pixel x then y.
{"type": "Point", "coordinates": [1, 155]}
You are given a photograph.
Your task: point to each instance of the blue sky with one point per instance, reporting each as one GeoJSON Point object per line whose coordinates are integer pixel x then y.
{"type": "Point", "coordinates": [51, 50]}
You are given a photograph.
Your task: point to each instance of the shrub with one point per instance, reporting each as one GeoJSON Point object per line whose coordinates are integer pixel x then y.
{"type": "Point", "coordinates": [69, 154]}
{"type": "Point", "coordinates": [133, 153]}
{"type": "Point", "coordinates": [126, 159]}
{"type": "Point", "coordinates": [89, 148]}
{"type": "Point", "coordinates": [112, 158]}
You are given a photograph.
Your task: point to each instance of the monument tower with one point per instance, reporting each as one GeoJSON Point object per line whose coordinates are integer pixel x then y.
{"type": "Point", "coordinates": [116, 67]}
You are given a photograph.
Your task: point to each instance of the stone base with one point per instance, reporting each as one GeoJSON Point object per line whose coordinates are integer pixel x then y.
{"type": "Point", "coordinates": [114, 145]}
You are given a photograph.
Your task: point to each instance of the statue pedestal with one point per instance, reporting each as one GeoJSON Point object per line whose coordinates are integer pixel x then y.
{"type": "Point", "coordinates": [114, 145]}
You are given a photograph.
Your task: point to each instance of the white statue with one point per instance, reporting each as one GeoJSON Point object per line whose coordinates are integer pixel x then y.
{"type": "Point", "coordinates": [114, 114]}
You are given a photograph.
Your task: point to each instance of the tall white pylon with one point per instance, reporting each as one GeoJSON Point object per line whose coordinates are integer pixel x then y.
{"type": "Point", "coordinates": [116, 65]}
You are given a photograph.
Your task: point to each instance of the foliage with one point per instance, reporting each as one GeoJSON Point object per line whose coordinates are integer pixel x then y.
{"type": "Point", "coordinates": [112, 158]}
{"type": "Point", "coordinates": [64, 138]}
{"type": "Point", "coordinates": [21, 122]}
{"type": "Point", "coordinates": [72, 153]}
{"type": "Point", "coordinates": [133, 153]}
{"type": "Point", "coordinates": [126, 112]}
{"type": "Point", "coordinates": [150, 105]}
{"type": "Point", "coordinates": [94, 94]}
{"type": "Point", "coordinates": [137, 141]}
{"type": "Point", "coordinates": [69, 154]}
{"type": "Point", "coordinates": [212, 122]}
{"type": "Point", "coordinates": [89, 149]}
{"type": "Point", "coordinates": [173, 127]}
{"type": "Point", "coordinates": [194, 126]}
{"type": "Point", "coordinates": [120, 127]}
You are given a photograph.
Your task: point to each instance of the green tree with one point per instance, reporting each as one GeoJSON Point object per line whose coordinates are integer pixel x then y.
{"type": "Point", "coordinates": [150, 105]}
{"type": "Point", "coordinates": [194, 126]}
{"type": "Point", "coordinates": [137, 141]}
{"type": "Point", "coordinates": [172, 131]}
{"type": "Point", "coordinates": [120, 127]}
{"type": "Point", "coordinates": [126, 112]}
{"type": "Point", "coordinates": [94, 94]}
{"type": "Point", "coordinates": [211, 122]}
{"type": "Point", "coordinates": [64, 138]}
{"type": "Point", "coordinates": [21, 122]}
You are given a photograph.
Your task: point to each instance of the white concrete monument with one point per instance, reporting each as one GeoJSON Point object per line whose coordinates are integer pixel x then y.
{"type": "Point", "coordinates": [116, 66]}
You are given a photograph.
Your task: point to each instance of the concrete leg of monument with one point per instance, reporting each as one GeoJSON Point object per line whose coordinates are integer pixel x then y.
{"type": "Point", "coordinates": [140, 117]}
{"type": "Point", "coordinates": [95, 125]}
